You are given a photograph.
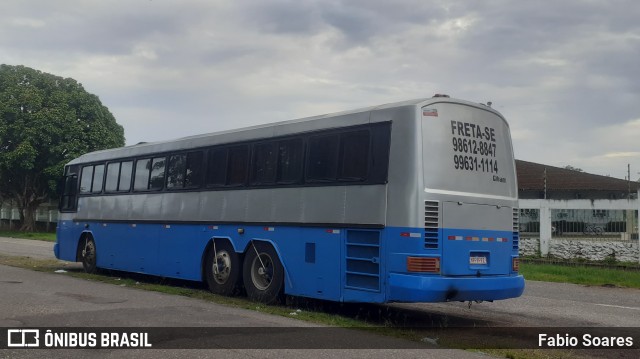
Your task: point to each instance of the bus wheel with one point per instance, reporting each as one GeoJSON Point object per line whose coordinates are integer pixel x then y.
{"type": "Point", "coordinates": [263, 274]}
{"type": "Point", "coordinates": [223, 269]}
{"type": "Point", "coordinates": [89, 256]}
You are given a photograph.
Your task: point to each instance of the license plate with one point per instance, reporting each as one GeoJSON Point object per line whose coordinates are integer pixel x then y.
{"type": "Point", "coordinates": [477, 260]}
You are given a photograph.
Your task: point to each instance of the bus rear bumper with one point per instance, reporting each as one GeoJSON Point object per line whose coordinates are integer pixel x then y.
{"type": "Point", "coordinates": [417, 288]}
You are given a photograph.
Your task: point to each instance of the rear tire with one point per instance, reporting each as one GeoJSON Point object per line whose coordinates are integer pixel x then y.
{"type": "Point", "coordinates": [223, 269]}
{"type": "Point", "coordinates": [263, 274]}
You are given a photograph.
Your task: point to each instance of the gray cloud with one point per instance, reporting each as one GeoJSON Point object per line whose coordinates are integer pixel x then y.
{"type": "Point", "coordinates": [563, 72]}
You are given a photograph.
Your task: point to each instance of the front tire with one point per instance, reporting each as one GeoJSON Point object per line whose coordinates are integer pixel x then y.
{"type": "Point", "coordinates": [89, 256]}
{"type": "Point", "coordinates": [263, 274]}
{"type": "Point", "coordinates": [223, 269]}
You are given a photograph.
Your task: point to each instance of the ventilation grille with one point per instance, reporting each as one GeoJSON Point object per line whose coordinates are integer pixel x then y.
{"type": "Point", "coordinates": [431, 221]}
{"type": "Point", "coordinates": [516, 229]}
{"type": "Point", "coordinates": [363, 260]}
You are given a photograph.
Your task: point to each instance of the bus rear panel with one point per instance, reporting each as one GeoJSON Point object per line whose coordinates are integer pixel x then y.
{"type": "Point", "coordinates": [463, 245]}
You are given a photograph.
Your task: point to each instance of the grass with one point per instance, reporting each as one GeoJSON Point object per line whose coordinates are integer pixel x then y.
{"type": "Point", "coordinates": [581, 275]}
{"type": "Point", "coordinates": [40, 236]}
{"type": "Point", "coordinates": [383, 320]}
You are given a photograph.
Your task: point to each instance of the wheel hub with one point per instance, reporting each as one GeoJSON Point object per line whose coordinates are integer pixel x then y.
{"type": "Point", "coordinates": [222, 267]}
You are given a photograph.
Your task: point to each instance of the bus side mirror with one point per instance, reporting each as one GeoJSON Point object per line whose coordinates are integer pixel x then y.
{"type": "Point", "coordinates": [60, 186]}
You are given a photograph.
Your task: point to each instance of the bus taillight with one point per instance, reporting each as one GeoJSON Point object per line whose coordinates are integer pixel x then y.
{"type": "Point", "coordinates": [423, 264]}
{"type": "Point", "coordinates": [515, 264]}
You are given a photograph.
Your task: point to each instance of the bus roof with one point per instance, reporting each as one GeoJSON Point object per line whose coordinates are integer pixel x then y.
{"type": "Point", "coordinates": [282, 128]}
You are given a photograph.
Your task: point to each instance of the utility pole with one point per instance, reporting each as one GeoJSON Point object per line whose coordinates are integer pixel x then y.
{"type": "Point", "coordinates": [545, 183]}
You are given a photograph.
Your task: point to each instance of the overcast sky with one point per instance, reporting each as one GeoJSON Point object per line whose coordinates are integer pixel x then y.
{"type": "Point", "coordinates": [566, 74]}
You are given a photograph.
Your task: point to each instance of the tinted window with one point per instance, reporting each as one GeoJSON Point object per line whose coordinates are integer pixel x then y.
{"type": "Point", "coordinates": [193, 175]}
{"type": "Point", "coordinates": [125, 176]}
{"type": "Point", "coordinates": [217, 167]}
{"type": "Point", "coordinates": [289, 161]}
{"type": "Point", "coordinates": [98, 177]}
{"type": "Point", "coordinates": [237, 165]}
{"type": "Point", "coordinates": [184, 171]}
{"type": "Point", "coordinates": [176, 170]}
{"type": "Point", "coordinates": [141, 182]}
{"type": "Point", "coordinates": [354, 149]}
{"type": "Point", "coordinates": [86, 179]}
{"type": "Point", "coordinates": [157, 173]}
{"type": "Point", "coordinates": [322, 164]}
{"type": "Point", "coordinates": [113, 171]}
{"type": "Point", "coordinates": [264, 163]}
{"type": "Point", "coordinates": [68, 200]}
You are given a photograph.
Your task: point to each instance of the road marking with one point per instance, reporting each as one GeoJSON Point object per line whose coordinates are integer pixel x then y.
{"type": "Point", "coordinates": [616, 306]}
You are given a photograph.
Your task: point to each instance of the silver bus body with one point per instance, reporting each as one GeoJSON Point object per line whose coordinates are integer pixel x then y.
{"type": "Point", "coordinates": [441, 226]}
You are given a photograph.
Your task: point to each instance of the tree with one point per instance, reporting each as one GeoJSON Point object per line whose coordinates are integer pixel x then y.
{"type": "Point", "coordinates": [45, 121]}
{"type": "Point", "coordinates": [570, 167]}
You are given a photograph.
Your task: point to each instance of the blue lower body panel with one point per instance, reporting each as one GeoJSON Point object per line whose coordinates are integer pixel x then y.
{"type": "Point", "coordinates": [419, 288]}
{"type": "Point", "coordinates": [337, 264]}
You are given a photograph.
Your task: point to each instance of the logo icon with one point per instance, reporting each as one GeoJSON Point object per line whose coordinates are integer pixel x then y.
{"type": "Point", "coordinates": [23, 338]}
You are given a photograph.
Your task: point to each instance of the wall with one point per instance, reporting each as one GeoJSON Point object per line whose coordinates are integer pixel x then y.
{"type": "Point", "coordinates": [595, 250]}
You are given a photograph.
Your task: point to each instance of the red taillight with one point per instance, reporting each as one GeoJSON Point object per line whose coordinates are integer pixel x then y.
{"type": "Point", "coordinates": [423, 264]}
{"type": "Point", "coordinates": [515, 264]}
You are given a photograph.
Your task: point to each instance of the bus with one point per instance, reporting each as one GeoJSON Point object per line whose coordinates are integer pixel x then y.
{"type": "Point", "coordinates": [414, 201]}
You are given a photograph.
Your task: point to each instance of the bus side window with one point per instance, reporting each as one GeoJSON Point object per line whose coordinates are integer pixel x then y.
{"type": "Point", "coordinates": [354, 153]}
{"type": "Point", "coordinates": [113, 171]}
{"type": "Point", "coordinates": [98, 179]}
{"type": "Point", "coordinates": [176, 171]}
{"type": "Point", "coordinates": [124, 183]}
{"type": "Point", "coordinates": [141, 182]}
{"type": "Point", "coordinates": [264, 163]}
{"type": "Point", "coordinates": [217, 167]}
{"type": "Point", "coordinates": [322, 162]}
{"type": "Point", "coordinates": [237, 165]}
{"type": "Point", "coordinates": [193, 170]}
{"type": "Point", "coordinates": [85, 179]}
{"type": "Point", "coordinates": [290, 162]}
{"type": "Point", "coordinates": [157, 173]}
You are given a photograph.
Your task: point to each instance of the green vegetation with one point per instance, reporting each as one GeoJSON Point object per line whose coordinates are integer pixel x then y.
{"type": "Point", "coordinates": [581, 275]}
{"type": "Point", "coordinates": [45, 121]}
{"type": "Point", "coordinates": [40, 236]}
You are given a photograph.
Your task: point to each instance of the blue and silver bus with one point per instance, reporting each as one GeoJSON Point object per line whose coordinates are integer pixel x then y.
{"type": "Point", "coordinates": [413, 201]}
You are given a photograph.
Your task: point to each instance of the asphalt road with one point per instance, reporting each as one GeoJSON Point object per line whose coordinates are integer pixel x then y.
{"type": "Point", "coordinates": [26, 248]}
{"type": "Point", "coordinates": [542, 304]}
{"type": "Point", "coordinates": [39, 299]}
{"type": "Point", "coordinates": [546, 304]}
{"type": "Point", "coordinates": [35, 299]}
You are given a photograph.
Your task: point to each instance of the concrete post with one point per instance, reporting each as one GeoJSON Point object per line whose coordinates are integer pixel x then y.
{"type": "Point", "coordinates": [49, 220]}
{"type": "Point", "coordinates": [545, 228]}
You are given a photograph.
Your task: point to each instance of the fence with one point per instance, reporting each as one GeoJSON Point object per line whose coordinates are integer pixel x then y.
{"type": "Point", "coordinates": [587, 229]}
{"type": "Point", "coordinates": [46, 218]}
